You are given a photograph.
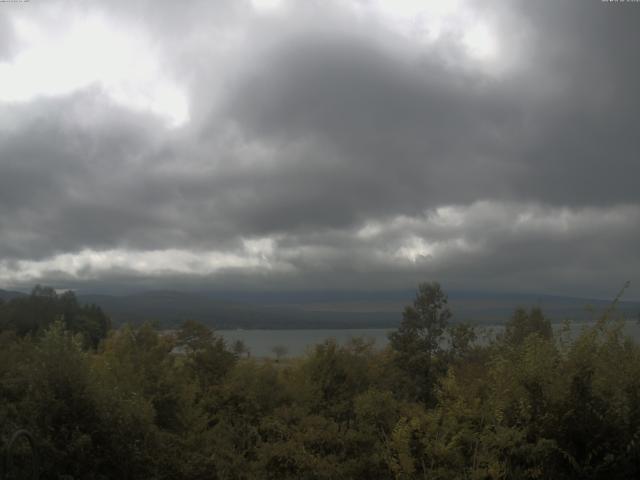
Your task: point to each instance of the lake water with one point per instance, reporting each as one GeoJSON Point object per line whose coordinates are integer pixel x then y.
{"type": "Point", "coordinates": [261, 342]}
{"type": "Point", "coordinates": [297, 342]}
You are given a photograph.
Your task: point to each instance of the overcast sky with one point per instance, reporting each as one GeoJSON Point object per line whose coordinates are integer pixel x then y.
{"type": "Point", "coordinates": [320, 144]}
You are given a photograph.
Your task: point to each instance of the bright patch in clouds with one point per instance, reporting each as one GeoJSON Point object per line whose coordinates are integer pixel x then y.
{"type": "Point", "coordinates": [427, 21]}
{"type": "Point", "coordinates": [415, 248]}
{"type": "Point", "coordinates": [480, 42]}
{"type": "Point", "coordinates": [266, 5]}
{"type": "Point", "coordinates": [90, 52]}
{"type": "Point", "coordinates": [90, 264]}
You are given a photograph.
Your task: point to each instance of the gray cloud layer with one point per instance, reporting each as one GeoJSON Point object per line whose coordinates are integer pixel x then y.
{"type": "Point", "coordinates": [325, 148]}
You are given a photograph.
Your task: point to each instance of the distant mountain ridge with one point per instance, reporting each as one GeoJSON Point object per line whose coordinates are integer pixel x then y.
{"type": "Point", "coordinates": [326, 309]}
{"type": "Point", "coordinates": [225, 310]}
{"type": "Point", "coordinates": [9, 295]}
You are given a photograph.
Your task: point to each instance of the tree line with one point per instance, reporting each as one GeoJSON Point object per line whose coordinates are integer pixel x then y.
{"type": "Point", "coordinates": [136, 403]}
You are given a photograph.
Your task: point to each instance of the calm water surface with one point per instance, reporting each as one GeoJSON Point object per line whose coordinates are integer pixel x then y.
{"type": "Point", "coordinates": [261, 342]}
{"type": "Point", "coordinates": [297, 342]}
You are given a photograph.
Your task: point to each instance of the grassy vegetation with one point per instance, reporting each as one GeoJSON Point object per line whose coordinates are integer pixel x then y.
{"type": "Point", "coordinates": [122, 404]}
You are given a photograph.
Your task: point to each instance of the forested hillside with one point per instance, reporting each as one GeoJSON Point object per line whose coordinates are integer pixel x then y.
{"type": "Point", "coordinates": [133, 403]}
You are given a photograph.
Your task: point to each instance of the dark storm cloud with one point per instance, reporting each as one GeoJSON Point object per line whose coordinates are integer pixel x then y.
{"type": "Point", "coordinates": [582, 147]}
{"type": "Point", "coordinates": [333, 143]}
{"type": "Point", "coordinates": [387, 137]}
{"type": "Point", "coordinates": [69, 182]}
{"type": "Point", "coordinates": [561, 131]}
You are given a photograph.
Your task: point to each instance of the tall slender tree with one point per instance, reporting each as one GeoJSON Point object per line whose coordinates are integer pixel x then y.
{"type": "Point", "coordinates": [418, 341]}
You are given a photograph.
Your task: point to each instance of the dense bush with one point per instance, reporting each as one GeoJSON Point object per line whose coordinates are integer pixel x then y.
{"type": "Point", "coordinates": [435, 404]}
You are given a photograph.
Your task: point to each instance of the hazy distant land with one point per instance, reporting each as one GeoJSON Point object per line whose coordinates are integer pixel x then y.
{"type": "Point", "coordinates": [328, 310]}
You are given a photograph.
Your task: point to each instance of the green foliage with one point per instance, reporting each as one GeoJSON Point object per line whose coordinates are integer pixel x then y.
{"type": "Point", "coordinates": [207, 358]}
{"type": "Point", "coordinates": [435, 404]}
{"type": "Point", "coordinates": [523, 323]}
{"type": "Point", "coordinates": [34, 313]}
{"type": "Point", "coordinates": [418, 341]}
